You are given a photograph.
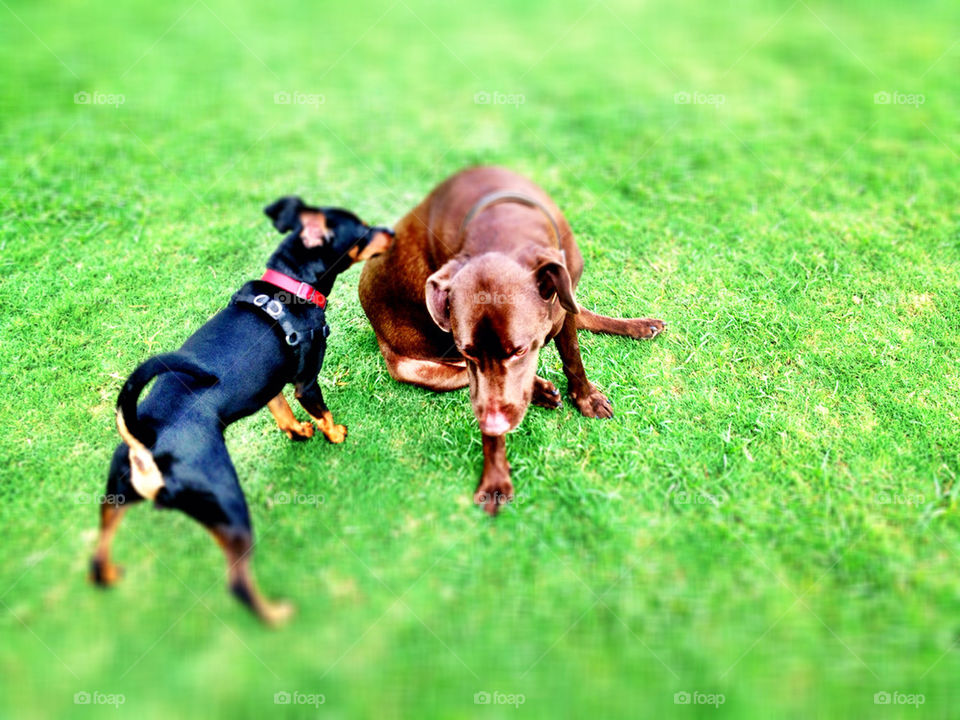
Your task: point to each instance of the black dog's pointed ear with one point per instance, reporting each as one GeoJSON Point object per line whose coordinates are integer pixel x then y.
{"type": "Point", "coordinates": [291, 214]}
{"type": "Point", "coordinates": [285, 213]}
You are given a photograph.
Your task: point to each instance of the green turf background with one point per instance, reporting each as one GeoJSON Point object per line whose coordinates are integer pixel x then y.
{"type": "Point", "coordinates": [772, 513]}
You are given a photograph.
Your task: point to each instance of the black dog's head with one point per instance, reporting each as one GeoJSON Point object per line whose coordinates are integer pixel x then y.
{"type": "Point", "coordinates": [321, 242]}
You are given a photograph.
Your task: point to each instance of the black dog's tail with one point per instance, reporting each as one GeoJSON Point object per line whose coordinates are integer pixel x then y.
{"type": "Point", "coordinates": [144, 474]}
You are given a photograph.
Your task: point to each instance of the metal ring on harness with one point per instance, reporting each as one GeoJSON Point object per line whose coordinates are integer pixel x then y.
{"type": "Point", "coordinates": [274, 309]}
{"type": "Point", "coordinates": [260, 300]}
{"type": "Point", "coordinates": [293, 339]}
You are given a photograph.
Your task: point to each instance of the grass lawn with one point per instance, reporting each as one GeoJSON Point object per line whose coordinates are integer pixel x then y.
{"type": "Point", "coordinates": [771, 519]}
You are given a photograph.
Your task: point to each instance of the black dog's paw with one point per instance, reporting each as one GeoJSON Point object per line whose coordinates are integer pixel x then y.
{"type": "Point", "coordinates": [103, 573]}
{"type": "Point", "coordinates": [300, 432]}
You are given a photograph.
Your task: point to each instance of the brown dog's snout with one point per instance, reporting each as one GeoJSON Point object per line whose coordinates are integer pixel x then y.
{"type": "Point", "coordinates": [494, 421]}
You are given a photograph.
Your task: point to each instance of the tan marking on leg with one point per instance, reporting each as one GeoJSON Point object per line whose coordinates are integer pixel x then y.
{"type": "Point", "coordinates": [102, 570]}
{"type": "Point", "coordinates": [237, 551]}
{"type": "Point", "coordinates": [145, 476]}
{"type": "Point", "coordinates": [287, 421]}
{"type": "Point", "coordinates": [333, 432]}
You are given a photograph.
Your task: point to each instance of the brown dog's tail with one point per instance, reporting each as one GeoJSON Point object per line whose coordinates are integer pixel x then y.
{"type": "Point", "coordinates": [145, 476]}
{"type": "Point", "coordinates": [637, 328]}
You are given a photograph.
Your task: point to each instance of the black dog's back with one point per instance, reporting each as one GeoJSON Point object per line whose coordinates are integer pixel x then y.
{"type": "Point", "coordinates": [243, 349]}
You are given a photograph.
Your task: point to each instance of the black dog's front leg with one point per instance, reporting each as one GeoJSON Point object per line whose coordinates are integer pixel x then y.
{"type": "Point", "coordinates": [311, 398]}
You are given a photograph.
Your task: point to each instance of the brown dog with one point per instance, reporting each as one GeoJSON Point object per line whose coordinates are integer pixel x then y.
{"type": "Point", "coordinates": [480, 277]}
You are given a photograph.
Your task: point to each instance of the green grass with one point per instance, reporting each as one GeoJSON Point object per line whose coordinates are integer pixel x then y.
{"type": "Point", "coordinates": [772, 513]}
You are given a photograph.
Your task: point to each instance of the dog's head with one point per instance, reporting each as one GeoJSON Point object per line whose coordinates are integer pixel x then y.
{"type": "Point", "coordinates": [324, 240]}
{"type": "Point", "coordinates": [500, 313]}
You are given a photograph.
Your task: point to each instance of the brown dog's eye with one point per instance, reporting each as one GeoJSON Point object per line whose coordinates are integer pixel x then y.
{"type": "Point", "coordinates": [519, 352]}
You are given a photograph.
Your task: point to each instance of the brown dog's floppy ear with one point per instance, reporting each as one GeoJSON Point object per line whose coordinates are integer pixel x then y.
{"type": "Point", "coordinates": [553, 280]}
{"type": "Point", "coordinates": [438, 294]}
{"type": "Point", "coordinates": [289, 214]}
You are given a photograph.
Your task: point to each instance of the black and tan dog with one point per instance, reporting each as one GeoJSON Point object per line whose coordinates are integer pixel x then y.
{"type": "Point", "coordinates": [272, 333]}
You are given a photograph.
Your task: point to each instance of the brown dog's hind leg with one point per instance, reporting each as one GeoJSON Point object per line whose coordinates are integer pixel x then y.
{"type": "Point", "coordinates": [637, 328]}
{"type": "Point", "coordinates": [545, 394]}
{"type": "Point", "coordinates": [495, 488]}
{"type": "Point", "coordinates": [287, 421]}
{"type": "Point", "coordinates": [436, 375]}
{"type": "Point", "coordinates": [237, 546]}
{"type": "Point", "coordinates": [588, 399]}
{"type": "Point", "coordinates": [102, 570]}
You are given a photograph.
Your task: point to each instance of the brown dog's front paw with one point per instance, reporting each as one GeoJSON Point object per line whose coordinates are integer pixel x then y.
{"type": "Point", "coordinates": [300, 431]}
{"type": "Point", "coordinates": [493, 493]}
{"type": "Point", "coordinates": [593, 403]}
{"type": "Point", "coordinates": [647, 328]}
{"type": "Point", "coordinates": [545, 394]}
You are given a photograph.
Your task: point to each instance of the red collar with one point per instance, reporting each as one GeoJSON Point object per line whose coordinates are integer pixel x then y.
{"type": "Point", "coordinates": [300, 289]}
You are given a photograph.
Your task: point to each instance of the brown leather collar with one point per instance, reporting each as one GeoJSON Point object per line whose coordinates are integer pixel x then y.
{"type": "Point", "coordinates": [502, 196]}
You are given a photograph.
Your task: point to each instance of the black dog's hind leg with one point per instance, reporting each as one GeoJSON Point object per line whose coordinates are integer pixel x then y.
{"type": "Point", "coordinates": [208, 491]}
{"type": "Point", "coordinates": [310, 396]}
{"type": "Point", "coordinates": [113, 505]}
{"type": "Point", "coordinates": [237, 546]}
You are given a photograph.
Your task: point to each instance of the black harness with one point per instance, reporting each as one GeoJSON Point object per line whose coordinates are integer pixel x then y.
{"type": "Point", "coordinates": [305, 336]}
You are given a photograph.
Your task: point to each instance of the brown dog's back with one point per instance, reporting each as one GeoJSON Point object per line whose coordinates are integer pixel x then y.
{"type": "Point", "coordinates": [392, 284]}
